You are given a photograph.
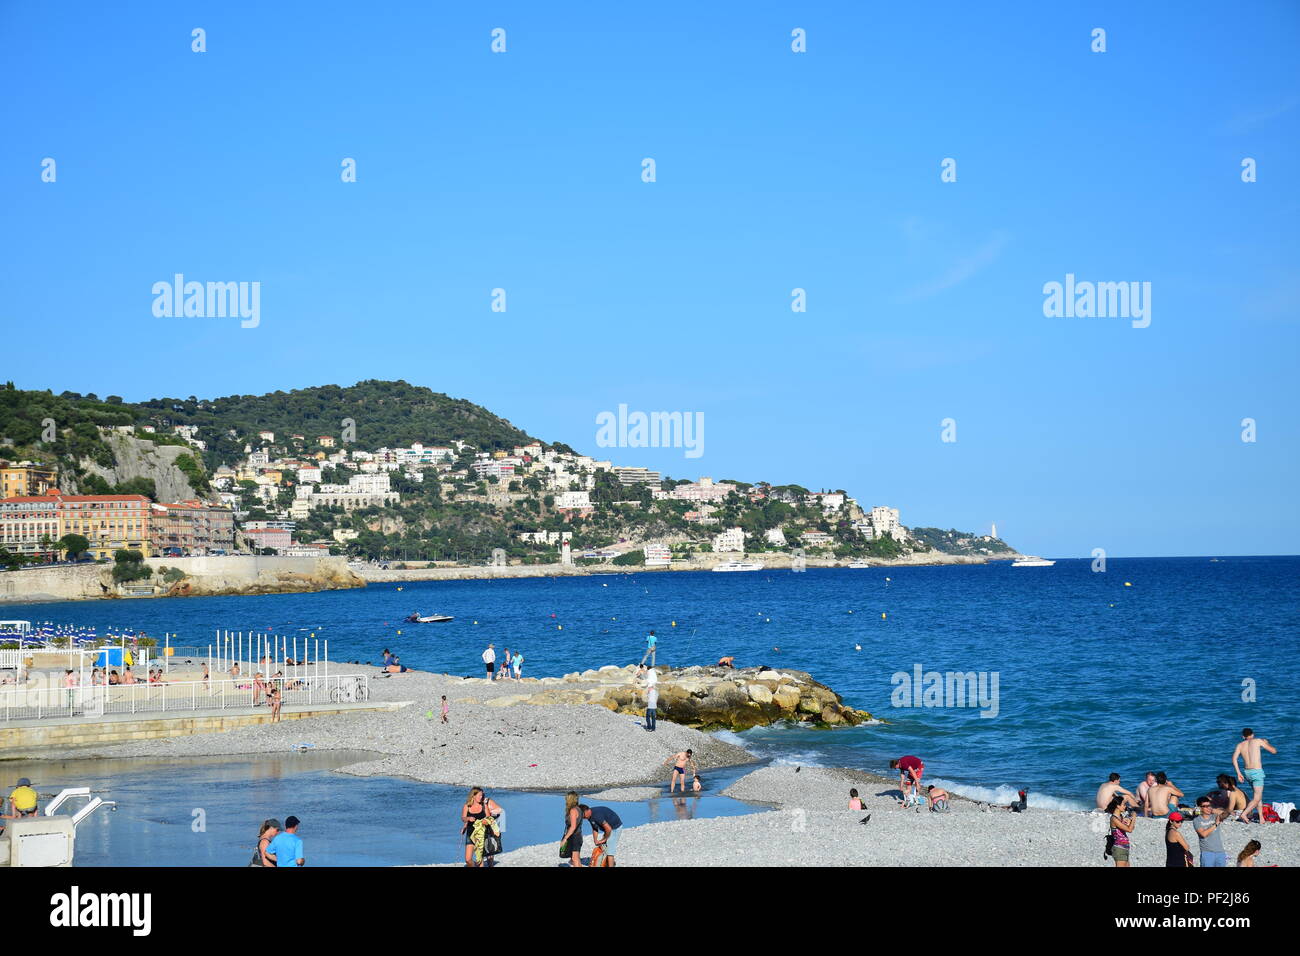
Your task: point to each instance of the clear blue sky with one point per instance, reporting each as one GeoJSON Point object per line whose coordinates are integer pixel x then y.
{"type": "Point", "coordinates": [775, 171]}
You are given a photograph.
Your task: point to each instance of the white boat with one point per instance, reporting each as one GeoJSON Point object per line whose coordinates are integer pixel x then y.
{"type": "Point", "coordinates": [1031, 562]}
{"type": "Point", "coordinates": [860, 563]}
{"type": "Point", "coordinates": [739, 566]}
{"type": "Point", "coordinates": [428, 618]}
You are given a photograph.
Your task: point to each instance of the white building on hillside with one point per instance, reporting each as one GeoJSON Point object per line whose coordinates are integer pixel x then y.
{"type": "Point", "coordinates": [733, 539]}
{"type": "Point", "coordinates": [657, 555]}
{"type": "Point", "coordinates": [886, 520]}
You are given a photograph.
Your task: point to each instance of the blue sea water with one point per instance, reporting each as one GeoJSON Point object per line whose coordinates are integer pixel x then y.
{"type": "Point", "coordinates": [1155, 664]}
{"type": "Point", "coordinates": [206, 812]}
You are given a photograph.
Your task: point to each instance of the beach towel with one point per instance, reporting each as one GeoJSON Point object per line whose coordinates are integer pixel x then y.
{"type": "Point", "coordinates": [479, 837]}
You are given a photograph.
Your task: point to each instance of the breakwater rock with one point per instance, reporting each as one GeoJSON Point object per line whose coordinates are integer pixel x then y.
{"type": "Point", "coordinates": [709, 698]}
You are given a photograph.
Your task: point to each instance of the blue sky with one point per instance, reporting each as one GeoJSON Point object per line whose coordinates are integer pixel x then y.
{"type": "Point", "coordinates": [775, 170]}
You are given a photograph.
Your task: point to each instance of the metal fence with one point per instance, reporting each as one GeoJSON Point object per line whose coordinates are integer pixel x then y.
{"type": "Point", "coordinates": [36, 703]}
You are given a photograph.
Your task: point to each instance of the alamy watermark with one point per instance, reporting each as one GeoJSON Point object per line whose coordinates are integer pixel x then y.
{"type": "Point", "coordinates": [651, 430]}
{"type": "Point", "coordinates": [1102, 300]}
{"type": "Point", "coordinates": [922, 688]}
{"type": "Point", "coordinates": [216, 300]}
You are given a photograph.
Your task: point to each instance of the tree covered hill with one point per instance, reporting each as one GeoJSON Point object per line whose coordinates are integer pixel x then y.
{"type": "Point", "coordinates": [381, 414]}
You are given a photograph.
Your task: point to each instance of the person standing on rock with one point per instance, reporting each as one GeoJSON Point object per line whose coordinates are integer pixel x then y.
{"type": "Point", "coordinates": [651, 705]}
{"type": "Point", "coordinates": [680, 762]}
{"type": "Point", "coordinates": [490, 659]}
{"type": "Point", "coordinates": [649, 654]}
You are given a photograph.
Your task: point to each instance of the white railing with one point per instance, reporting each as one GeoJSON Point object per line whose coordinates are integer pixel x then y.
{"type": "Point", "coordinates": [38, 703]}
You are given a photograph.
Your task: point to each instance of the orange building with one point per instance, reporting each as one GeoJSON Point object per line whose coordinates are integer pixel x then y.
{"type": "Point", "coordinates": [26, 479]}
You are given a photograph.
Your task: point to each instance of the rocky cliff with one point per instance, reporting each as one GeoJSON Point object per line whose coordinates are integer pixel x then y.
{"type": "Point", "coordinates": [138, 458]}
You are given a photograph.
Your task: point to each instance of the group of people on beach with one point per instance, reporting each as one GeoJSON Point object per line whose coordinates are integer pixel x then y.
{"type": "Point", "coordinates": [509, 661]}
{"type": "Point", "coordinates": [1158, 796]}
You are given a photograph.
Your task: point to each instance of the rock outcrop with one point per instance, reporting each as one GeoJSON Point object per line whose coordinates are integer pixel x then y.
{"type": "Point", "coordinates": [709, 698]}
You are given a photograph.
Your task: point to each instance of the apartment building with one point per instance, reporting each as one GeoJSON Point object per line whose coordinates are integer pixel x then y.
{"type": "Point", "coordinates": [636, 476]}
{"type": "Point", "coordinates": [26, 479]}
{"type": "Point", "coordinates": [194, 527]}
{"type": "Point", "coordinates": [733, 539]}
{"type": "Point", "coordinates": [29, 524]}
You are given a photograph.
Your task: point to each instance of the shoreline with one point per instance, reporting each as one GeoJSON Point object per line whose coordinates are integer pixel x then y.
{"type": "Point", "coordinates": [315, 575]}
{"type": "Point", "coordinates": [772, 562]}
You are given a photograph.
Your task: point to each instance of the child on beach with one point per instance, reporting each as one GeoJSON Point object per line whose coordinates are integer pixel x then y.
{"type": "Point", "coordinates": [855, 802]}
{"type": "Point", "coordinates": [937, 798]}
{"type": "Point", "coordinates": [444, 708]}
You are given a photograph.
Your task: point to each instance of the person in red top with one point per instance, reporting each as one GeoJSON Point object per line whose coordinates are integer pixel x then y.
{"type": "Point", "coordinates": [909, 770]}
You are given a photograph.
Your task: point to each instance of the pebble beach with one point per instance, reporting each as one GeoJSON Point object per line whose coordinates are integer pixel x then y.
{"type": "Point", "coordinates": [497, 739]}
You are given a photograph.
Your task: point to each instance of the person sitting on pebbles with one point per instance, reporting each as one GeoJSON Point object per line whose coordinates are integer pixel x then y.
{"type": "Point", "coordinates": [937, 798]}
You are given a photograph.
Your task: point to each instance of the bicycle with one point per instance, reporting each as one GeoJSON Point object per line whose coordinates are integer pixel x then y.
{"type": "Point", "coordinates": [354, 692]}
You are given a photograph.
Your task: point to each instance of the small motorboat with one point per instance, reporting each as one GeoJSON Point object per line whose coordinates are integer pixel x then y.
{"type": "Point", "coordinates": [428, 618]}
{"type": "Point", "coordinates": [1032, 562]}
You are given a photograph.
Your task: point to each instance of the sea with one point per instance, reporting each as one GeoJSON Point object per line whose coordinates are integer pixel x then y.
{"type": "Point", "coordinates": [1153, 664]}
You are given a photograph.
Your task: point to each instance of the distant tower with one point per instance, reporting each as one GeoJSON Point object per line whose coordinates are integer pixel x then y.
{"type": "Point", "coordinates": [566, 556]}
{"type": "Point", "coordinates": [994, 532]}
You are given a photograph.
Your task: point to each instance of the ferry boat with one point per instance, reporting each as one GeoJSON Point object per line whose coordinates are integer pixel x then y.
{"type": "Point", "coordinates": [860, 563]}
{"type": "Point", "coordinates": [1032, 562]}
{"type": "Point", "coordinates": [739, 566]}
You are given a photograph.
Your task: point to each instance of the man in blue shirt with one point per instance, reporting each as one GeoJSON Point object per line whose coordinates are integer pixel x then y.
{"type": "Point", "coordinates": [649, 654]}
{"type": "Point", "coordinates": [605, 824]}
{"type": "Point", "coordinates": [286, 846]}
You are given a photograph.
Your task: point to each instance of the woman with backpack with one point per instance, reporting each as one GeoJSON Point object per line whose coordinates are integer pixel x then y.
{"type": "Point", "coordinates": [264, 836]}
{"type": "Point", "coordinates": [571, 844]}
{"type": "Point", "coordinates": [1121, 825]}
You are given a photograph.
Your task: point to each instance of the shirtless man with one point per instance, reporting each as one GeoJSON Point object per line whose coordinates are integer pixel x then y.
{"type": "Point", "coordinates": [1162, 797]}
{"type": "Point", "coordinates": [1229, 798]}
{"type": "Point", "coordinates": [680, 761]}
{"type": "Point", "coordinates": [1249, 750]}
{"type": "Point", "coordinates": [1144, 792]}
{"type": "Point", "coordinates": [1109, 789]}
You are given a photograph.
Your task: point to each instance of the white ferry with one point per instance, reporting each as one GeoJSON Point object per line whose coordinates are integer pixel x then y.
{"type": "Point", "coordinates": [1031, 562]}
{"type": "Point", "coordinates": [860, 563]}
{"type": "Point", "coordinates": [739, 566]}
